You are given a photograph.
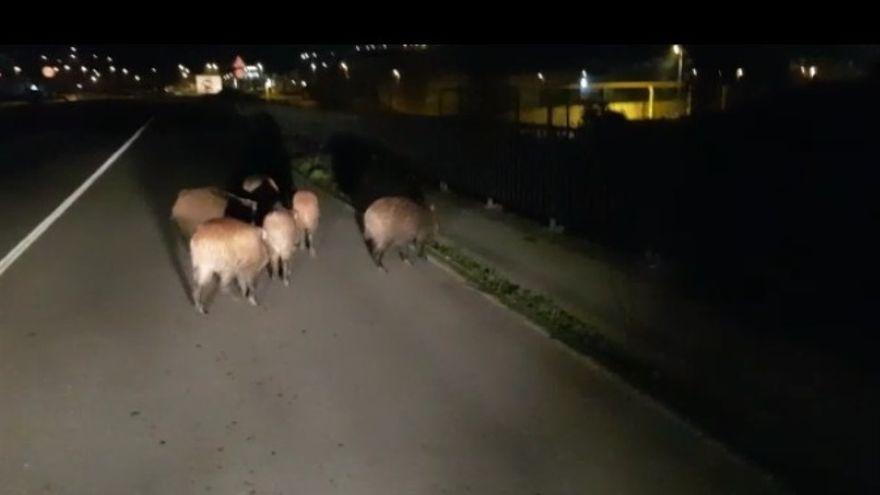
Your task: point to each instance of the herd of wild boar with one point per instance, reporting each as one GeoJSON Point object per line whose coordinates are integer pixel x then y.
{"type": "Point", "coordinates": [234, 237]}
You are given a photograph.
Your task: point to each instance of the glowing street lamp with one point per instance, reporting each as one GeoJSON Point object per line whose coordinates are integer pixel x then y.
{"type": "Point", "coordinates": [313, 66]}
{"type": "Point", "coordinates": [396, 74]}
{"type": "Point", "coordinates": [813, 71]}
{"type": "Point", "coordinates": [739, 73]}
{"type": "Point", "coordinates": [679, 52]}
{"type": "Point", "coordinates": [17, 70]}
{"type": "Point", "coordinates": [344, 67]}
{"type": "Point", "coordinates": [541, 77]}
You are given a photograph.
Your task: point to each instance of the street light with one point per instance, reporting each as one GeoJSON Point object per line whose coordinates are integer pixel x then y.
{"type": "Point", "coordinates": [813, 71]}
{"type": "Point", "coordinates": [396, 74]}
{"type": "Point", "coordinates": [679, 52]}
{"type": "Point", "coordinates": [344, 67]}
{"type": "Point", "coordinates": [540, 77]}
{"type": "Point", "coordinates": [739, 73]}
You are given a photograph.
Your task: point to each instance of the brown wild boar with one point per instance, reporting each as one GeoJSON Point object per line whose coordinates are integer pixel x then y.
{"type": "Point", "coordinates": [305, 203]}
{"type": "Point", "coordinates": [282, 236]}
{"type": "Point", "coordinates": [230, 249]}
{"type": "Point", "coordinates": [398, 222]}
{"type": "Point", "coordinates": [194, 206]}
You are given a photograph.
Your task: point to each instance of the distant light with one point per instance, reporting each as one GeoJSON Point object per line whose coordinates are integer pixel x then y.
{"type": "Point", "coordinates": [33, 87]}
{"type": "Point", "coordinates": [304, 56]}
{"type": "Point", "coordinates": [66, 67]}
{"type": "Point", "coordinates": [95, 56]}
{"type": "Point", "coordinates": [694, 71]}
{"type": "Point", "coordinates": [739, 72]}
{"type": "Point", "coordinates": [269, 83]}
{"type": "Point", "coordinates": [124, 71]}
{"type": "Point", "coordinates": [303, 83]}
{"type": "Point", "coordinates": [83, 69]}
{"type": "Point", "coordinates": [112, 69]}
{"type": "Point", "coordinates": [314, 54]}
{"type": "Point", "coordinates": [676, 49]}
{"type": "Point", "coordinates": [73, 56]}
{"type": "Point", "coordinates": [137, 78]}
{"type": "Point", "coordinates": [324, 64]}
{"type": "Point", "coordinates": [384, 47]}
{"type": "Point", "coordinates": [153, 70]}
{"type": "Point", "coordinates": [396, 74]}
{"type": "Point", "coordinates": [313, 66]}
{"type": "Point", "coordinates": [79, 86]}
{"type": "Point", "coordinates": [540, 77]}
{"type": "Point", "coordinates": [16, 69]}
{"type": "Point", "coordinates": [110, 59]}
{"type": "Point", "coordinates": [73, 49]}
{"type": "Point", "coordinates": [43, 57]}
{"type": "Point", "coordinates": [584, 83]}
{"type": "Point", "coordinates": [94, 79]}
{"type": "Point", "coordinates": [357, 48]}
{"type": "Point", "coordinates": [260, 65]}
{"type": "Point", "coordinates": [813, 71]}
{"type": "Point", "coordinates": [181, 67]}
{"type": "Point", "coordinates": [583, 73]}
{"type": "Point", "coordinates": [343, 66]}
{"type": "Point", "coordinates": [803, 71]}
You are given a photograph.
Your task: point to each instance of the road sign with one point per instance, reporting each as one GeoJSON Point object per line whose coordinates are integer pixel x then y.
{"type": "Point", "coordinates": [238, 67]}
{"type": "Point", "coordinates": [208, 84]}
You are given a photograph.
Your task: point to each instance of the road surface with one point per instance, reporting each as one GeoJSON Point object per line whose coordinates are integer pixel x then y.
{"type": "Point", "coordinates": [351, 381]}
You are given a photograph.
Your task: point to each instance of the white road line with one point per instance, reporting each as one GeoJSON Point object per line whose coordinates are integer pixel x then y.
{"type": "Point", "coordinates": [35, 234]}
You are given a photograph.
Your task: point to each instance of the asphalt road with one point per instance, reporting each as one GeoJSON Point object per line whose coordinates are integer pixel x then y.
{"type": "Point", "coordinates": [350, 381]}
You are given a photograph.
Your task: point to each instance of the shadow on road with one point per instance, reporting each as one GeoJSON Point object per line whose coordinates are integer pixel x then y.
{"type": "Point", "coordinates": [197, 145]}
{"type": "Point", "coordinates": [366, 171]}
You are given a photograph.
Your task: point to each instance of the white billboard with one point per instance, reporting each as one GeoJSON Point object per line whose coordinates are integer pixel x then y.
{"type": "Point", "coordinates": [208, 84]}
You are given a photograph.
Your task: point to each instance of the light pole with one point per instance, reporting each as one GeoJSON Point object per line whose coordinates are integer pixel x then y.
{"type": "Point", "coordinates": [679, 52]}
